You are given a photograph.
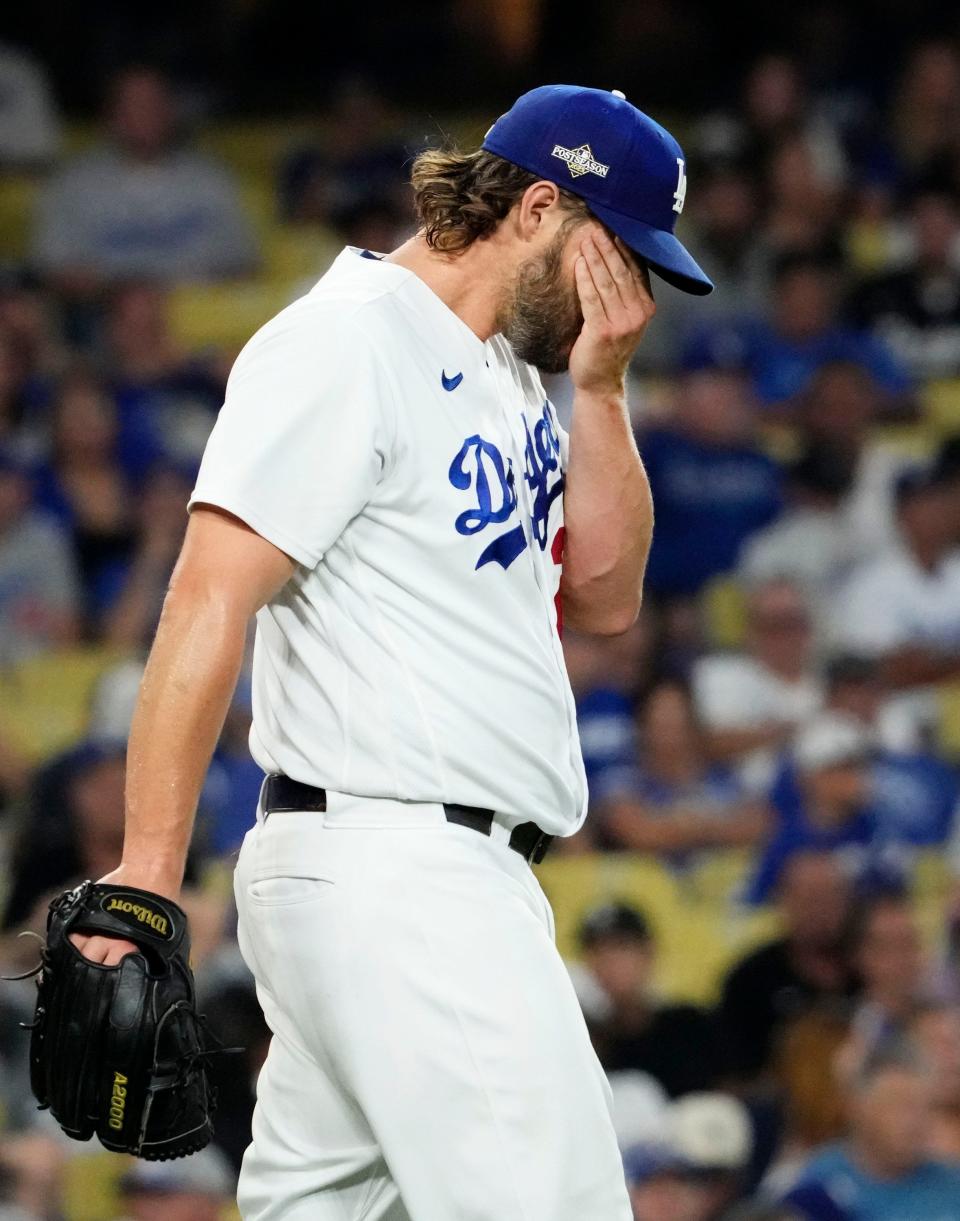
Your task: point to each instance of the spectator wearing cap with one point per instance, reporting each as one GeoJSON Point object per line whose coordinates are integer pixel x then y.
{"type": "Point", "coordinates": [142, 202]}
{"type": "Point", "coordinates": [691, 1170]}
{"type": "Point", "coordinates": [674, 1044]}
{"type": "Point", "coordinates": [821, 799]}
{"type": "Point", "coordinates": [713, 1133]}
{"type": "Point", "coordinates": [671, 799]}
{"type": "Point", "coordinates": [39, 602]}
{"type": "Point", "coordinates": [916, 308]}
{"type": "Point", "coordinates": [883, 1170]}
{"type": "Point", "coordinates": [914, 794]}
{"type": "Point", "coordinates": [804, 333]}
{"type": "Point", "coordinates": [903, 607]}
{"type": "Point", "coordinates": [751, 703]}
{"type": "Point", "coordinates": [663, 1186]}
{"type": "Point", "coordinates": [195, 1188]}
{"type": "Point", "coordinates": [712, 484]}
{"type": "Point", "coordinates": [806, 966]}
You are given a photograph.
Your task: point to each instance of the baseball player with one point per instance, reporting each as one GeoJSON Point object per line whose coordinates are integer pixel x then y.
{"type": "Point", "coordinates": [388, 489]}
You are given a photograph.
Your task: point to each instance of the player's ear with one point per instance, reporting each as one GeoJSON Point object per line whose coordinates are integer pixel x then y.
{"type": "Point", "coordinates": [538, 204]}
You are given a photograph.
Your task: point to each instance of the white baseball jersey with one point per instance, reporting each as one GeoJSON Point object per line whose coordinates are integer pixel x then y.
{"type": "Point", "coordinates": [415, 474]}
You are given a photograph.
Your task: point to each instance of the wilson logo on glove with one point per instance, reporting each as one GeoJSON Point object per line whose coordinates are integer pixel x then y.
{"type": "Point", "coordinates": [122, 908]}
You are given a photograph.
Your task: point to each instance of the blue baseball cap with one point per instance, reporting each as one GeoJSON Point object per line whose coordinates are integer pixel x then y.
{"type": "Point", "coordinates": [628, 168]}
{"type": "Point", "coordinates": [650, 1159]}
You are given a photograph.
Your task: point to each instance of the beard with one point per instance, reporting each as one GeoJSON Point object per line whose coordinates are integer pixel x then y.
{"type": "Point", "coordinates": [544, 319]}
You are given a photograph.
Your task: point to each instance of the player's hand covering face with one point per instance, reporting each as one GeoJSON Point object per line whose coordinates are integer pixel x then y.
{"type": "Point", "coordinates": [617, 304]}
{"type": "Point", "coordinates": [590, 325]}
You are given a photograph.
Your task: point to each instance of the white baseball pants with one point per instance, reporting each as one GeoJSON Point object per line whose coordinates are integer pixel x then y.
{"type": "Point", "coordinates": [429, 1060]}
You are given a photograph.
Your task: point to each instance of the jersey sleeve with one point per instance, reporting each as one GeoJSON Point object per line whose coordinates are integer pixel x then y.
{"type": "Point", "coordinates": [303, 436]}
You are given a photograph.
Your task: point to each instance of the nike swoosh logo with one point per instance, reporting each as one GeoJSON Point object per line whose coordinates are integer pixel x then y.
{"type": "Point", "coordinates": [450, 383]}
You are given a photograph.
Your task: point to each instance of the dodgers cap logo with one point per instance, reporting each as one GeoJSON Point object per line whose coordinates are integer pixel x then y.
{"type": "Point", "coordinates": [628, 168]}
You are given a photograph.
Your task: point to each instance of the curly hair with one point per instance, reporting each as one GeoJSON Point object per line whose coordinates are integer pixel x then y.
{"type": "Point", "coordinates": [461, 198]}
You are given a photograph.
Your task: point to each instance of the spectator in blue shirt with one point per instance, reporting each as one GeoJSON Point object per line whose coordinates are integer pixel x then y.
{"type": "Point", "coordinates": [670, 799]}
{"type": "Point", "coordinates": [914, 797]}
{"type": "Point", "coordinates": [803, 334]}
{"type": "Point", "coordinates": [882, 1172]}
{"type": "Point", "coordinates": [820, 800]}
{"type": "Point", "coordinates": [913, 794]}
{"type": "Point", "coordinates": [839, 790]}
{"type": "Point", "coordinates": [712, 485]}
{"type": "Point", "coordinates": [607, 674]}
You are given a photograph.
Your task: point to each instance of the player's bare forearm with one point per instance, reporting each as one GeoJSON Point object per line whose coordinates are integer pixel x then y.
{"type": "Point", "coordinates": [608, 514]}
{"type": "Point", "coordinates": [607, 507]}
{"type": "Point", "coordinates": [190, 677]}
{"type": "Point", "coordinates": [225, 573]}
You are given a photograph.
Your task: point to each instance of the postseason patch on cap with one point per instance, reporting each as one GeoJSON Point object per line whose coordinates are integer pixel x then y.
{"type": "Point", "coordinates": [580, 161]}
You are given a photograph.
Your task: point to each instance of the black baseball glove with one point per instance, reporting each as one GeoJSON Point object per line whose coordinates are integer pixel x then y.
{"type": "Point", "coordinates": [120, 1051]}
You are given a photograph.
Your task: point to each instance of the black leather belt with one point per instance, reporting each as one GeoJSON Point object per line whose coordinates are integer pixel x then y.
{"type": "Point", "coordinates": [281, 794]}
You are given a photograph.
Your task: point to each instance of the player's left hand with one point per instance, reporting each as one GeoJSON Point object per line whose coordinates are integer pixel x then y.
{"type": "Point", "coordinates": [617, 305]}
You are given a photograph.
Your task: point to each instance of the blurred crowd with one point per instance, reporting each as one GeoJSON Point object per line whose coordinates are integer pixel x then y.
{"type": "Point", "coordinates": [788, 697]}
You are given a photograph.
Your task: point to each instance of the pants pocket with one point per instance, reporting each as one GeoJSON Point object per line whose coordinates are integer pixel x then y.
{"type": "Point", "coordinates": [286, 891]}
